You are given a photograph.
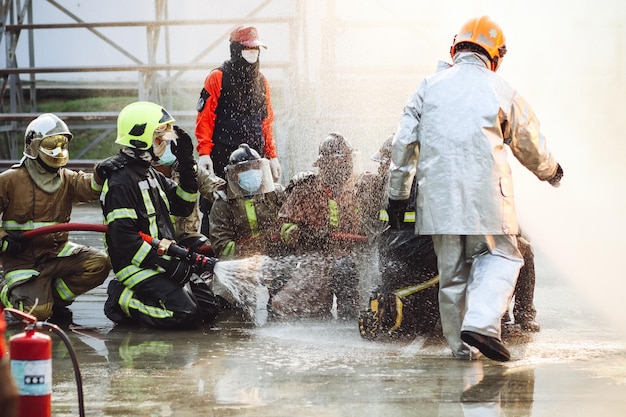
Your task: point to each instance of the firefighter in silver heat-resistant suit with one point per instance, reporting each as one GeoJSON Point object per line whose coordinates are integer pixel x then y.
{"type": "Point", "coordinates": [452, 135]}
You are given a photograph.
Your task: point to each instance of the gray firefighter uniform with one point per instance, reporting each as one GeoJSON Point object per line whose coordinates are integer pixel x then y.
{"type": "Point", "coordinates": [452, 136]}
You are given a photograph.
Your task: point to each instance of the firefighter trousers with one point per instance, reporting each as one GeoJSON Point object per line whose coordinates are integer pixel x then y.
{"type": "Point", "coordinates": [56, 281]}
{"type": "Point", "coordinates": [156, 302]}
{"type": "Point", "coordinates": [477, 278]}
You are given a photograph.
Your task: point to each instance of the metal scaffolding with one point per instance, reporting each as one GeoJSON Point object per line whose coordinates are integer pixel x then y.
{"type": "Point", "coordinates": [316, 89]}
{"type": "Point", "coordinates": [156, 78]}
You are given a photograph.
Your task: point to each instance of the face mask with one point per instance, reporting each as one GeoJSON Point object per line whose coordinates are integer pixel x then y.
{"type": "Point", "coordinates": [167, 157]}
{"type": "Point", "coordinates": [250, 55]}
{"type": "Point", "coordinates": [250, 180]}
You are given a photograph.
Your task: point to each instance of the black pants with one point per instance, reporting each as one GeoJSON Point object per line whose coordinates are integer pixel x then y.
{"type": "Point", "coordinates": [524, 307]}
{"type": "Point", "coordinates": [157, 302]}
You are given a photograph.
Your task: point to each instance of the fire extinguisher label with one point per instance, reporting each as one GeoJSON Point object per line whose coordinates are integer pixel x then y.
{"type": "Point", "coordinates": [33, 377]}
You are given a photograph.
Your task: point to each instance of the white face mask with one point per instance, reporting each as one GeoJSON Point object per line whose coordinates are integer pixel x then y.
{"type": "Point", "coordinates": [166, 157]}
{"type": "Point", "coordinates": [250, 55]}
{"type": "Point", "coordinates": [250, 180]}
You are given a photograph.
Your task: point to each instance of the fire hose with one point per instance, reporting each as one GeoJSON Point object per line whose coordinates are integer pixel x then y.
{"type": "Point", "coordinates": [164, 246]}
{"type": "Point", "coordinates": [65, 227]}
{"type": "Point", "coordinates": [200, 262]}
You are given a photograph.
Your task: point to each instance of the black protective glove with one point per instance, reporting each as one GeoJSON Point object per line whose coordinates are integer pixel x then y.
{"type": "Point", "coordinates": [187, 167]}
{"type": "Point", "coordinates": [13, 243]}
{"type": "Point", "coordinates": [177, 270]}
{"type": "Point", "coordinates": [395, 211]}
{"type": "Point", "coordinates": [555, 181]}
{"type": "Point", "coordinates": [103, 169]}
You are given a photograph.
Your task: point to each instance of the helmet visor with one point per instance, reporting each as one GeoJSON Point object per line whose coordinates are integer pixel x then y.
{"type": "Point", "coordinates": [164, 132]}
{"type": "Point", "coordinates": [53, 150]}
{"type": "Point", "coordinates": [53, 142]}
{"type": "Point", "coordinates": [249, 178]}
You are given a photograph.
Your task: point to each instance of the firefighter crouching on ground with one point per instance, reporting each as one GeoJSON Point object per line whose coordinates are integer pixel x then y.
{"type": "Point", "coordinates": [318, 210]}
{"type": "Point", "coordinates": [405, 304]}
{"type": "Point", "coordinates": [245, 222]}
{"type": "Point", "coordinates": [149, 288]}
{"type": "Point", "coordinates": [46, 273]}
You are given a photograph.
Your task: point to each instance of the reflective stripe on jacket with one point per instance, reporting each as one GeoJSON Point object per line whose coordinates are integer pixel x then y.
{"type": "Point", "coordinates": [136, 199]}
{"type": "Point", "coordinates": [235, 223]}
{"type": "Point", "coordinates": [318, 214]}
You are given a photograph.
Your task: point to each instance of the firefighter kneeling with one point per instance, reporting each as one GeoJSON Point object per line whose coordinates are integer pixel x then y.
{"type": "Point", "coordinates": [149, 286]}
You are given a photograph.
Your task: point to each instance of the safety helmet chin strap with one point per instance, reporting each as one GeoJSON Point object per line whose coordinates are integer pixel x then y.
{"type": "Point", "coordinates": [146, 155]}
{"type": "Point", "coordinates": [495, 63]}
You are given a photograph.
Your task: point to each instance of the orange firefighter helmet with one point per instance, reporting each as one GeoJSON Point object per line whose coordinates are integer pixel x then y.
{"type": "Point", "coordinates": [485, 33]}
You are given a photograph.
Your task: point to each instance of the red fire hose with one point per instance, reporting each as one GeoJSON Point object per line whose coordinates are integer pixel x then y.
{"type": "Point", "coordinates": [163, 246]}
{"type": "Point", "coordinates": [349, 237]}
{"type": "Point", "coordinates": [65, 227]}
{"type": "Point", "coordinates": [102, 228]}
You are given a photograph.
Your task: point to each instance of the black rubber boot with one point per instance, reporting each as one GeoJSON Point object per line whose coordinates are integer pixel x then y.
{"type": "Point", "coordinates": [488, 346]}
{"type": "Point", "coordinates": [61, 316]}
{"type": "Point", "coordinates": [112, 307]}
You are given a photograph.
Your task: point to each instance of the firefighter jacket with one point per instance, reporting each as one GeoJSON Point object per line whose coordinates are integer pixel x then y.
{"type": "Point", "coordinates": [136, 199]}
{"type": "Point", "coordinates": [207, 184]}
{"type": "Point", "coordinates": [230, 112]}
{"type": "Point", "coordinates": [25, 206]}
{"type": "Point", "coordinates": [321, 217]}
{"type": "Point", "coordinates": [246, 226]}
{"type": "Point", "coordinates": [454, 130]}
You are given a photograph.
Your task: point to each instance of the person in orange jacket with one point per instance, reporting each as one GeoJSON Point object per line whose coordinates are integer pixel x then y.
{"type": "Point", "coordinates": [235, 107]}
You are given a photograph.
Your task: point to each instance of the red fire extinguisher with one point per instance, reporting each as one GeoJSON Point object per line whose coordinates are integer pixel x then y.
{"type": "Point", "coordinates": [31, 366]}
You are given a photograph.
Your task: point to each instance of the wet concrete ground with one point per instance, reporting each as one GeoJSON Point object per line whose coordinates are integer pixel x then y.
{"type": "Point", "coordinates": [575, 366]}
